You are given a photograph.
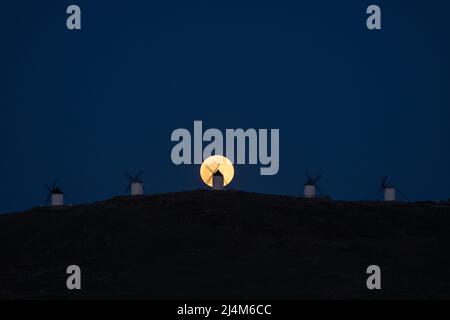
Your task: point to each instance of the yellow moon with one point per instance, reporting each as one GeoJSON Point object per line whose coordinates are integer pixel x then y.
{"type": "Point", "coordinates": [214, 163]}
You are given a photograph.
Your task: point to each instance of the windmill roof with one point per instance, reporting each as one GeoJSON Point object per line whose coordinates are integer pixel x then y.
{"type": "Point", "coordinates": [57, 190]}
{"type": "Point", "coordinates": [218, 173]}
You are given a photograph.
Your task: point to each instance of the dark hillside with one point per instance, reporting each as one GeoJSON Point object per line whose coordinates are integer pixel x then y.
{"type": "Point", "coordinates": [228, 244]}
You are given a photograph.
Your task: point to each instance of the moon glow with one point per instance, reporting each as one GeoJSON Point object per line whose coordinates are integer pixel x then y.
{"type": "Point", "coordinates": [214, 163]}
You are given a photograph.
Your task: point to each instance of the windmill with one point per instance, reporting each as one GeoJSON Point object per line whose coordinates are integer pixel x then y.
{"type": "Point", "coordinates": [217, 172]}
{"type": "Point", "coordinates": [310, 186]}
{"type": "Point", "coordinates": [389, 190]}
{"type": "Point", "coordinates": [135, 186]}
{"type": "Point", "coordinates": [55, 195]}
{"type": "Point", "coordinates": [217, 178]}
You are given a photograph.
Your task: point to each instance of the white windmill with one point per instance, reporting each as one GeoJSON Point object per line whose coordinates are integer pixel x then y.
{"type": "Point", "coordinates": [135, 186]}
{"type": "Point", "coordinates": [310, 187]}
{"type": "Point", "coordinates": [389, 190]}
{"type": "Point", "coordinates": [55, 195]}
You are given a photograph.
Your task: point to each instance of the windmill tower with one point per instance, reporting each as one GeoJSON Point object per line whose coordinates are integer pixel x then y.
{"type": "Point", "coordinates": [389, 190]}
{"type": "Point", "coordinates": [310, 187]}
{"type": "Point", "coordinates": [135, 186]}
{"type": "Point", "coordinates": [55, 195]}
{"type": "Point", "coordinates": [217, 178]}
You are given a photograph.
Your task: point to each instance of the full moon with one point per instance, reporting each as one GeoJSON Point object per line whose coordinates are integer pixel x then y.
{"type": "Point", "coordinates": [216, 163]}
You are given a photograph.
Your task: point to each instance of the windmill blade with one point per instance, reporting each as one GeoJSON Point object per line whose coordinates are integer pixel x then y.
{"type": "Point", "coordinates": [54, 186]}
{"type": "Point", "coordinates": [128, 188]}
{"type": "Point", "coordinates": [380, 191]}
{"type": "Point", "coordinates": [382, 184]}
{"type": "Point", "coordinates": [70, 198]}
{"type": "Point", "coordinates": [309, 179]}
{"type": "Point", "coordinates": [128, 176]}
{"type": "Point", "coordinates": [318, 189]}
{"type": "Point", "coordinates": [384, 180]}
{"type": "Point", "coordinates": [48, 198]}
{"type": "Point", "coordinates": [48, 188]}
{"type": "Point", "coordinates": [210, 170]}
{"type": "Point", "coordinates": [317, 178]}
{"type": "Point", "coordinates": [138, 176]}
{"type": "Point", "coordinates": [382, 187]}
{"type": "Point", "coordinates": [403, 195]}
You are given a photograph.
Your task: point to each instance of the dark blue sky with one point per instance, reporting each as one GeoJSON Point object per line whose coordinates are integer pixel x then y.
{"type": "Point", "coordinates": [85, 106]}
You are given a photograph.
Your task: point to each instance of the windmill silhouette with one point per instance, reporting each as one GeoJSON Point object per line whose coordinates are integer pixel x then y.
{"type": "Point", "coordinates": [216, 177]}
{"type": "Point", "coordinates": [389, 190]}
{"type": "Point", "coordinates": [55, 195]}
{"type": "Point", "coordinates": [310, 187]}
{"type": "Point", "coordinates": [135, 185]}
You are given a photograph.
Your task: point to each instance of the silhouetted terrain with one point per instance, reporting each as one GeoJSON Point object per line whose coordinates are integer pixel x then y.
{"type": "Point", "coordinates": [230, 244]}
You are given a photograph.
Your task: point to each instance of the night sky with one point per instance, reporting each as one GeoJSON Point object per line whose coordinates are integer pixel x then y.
{"type": "Point", "coordinates": [85, 106]}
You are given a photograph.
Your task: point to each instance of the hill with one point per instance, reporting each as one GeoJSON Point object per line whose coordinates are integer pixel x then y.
{"type": "Point", "coordinates": [205, 244]}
